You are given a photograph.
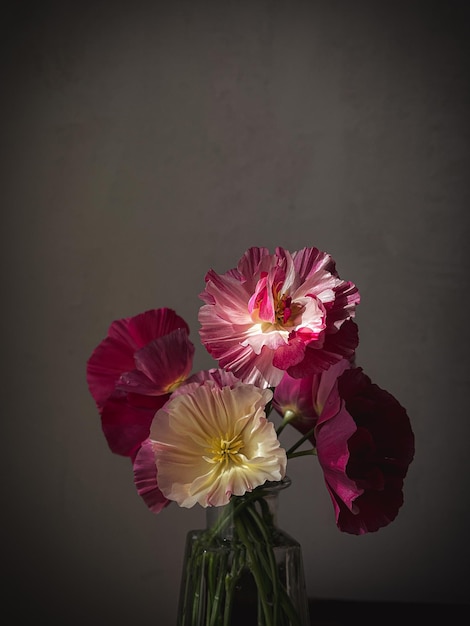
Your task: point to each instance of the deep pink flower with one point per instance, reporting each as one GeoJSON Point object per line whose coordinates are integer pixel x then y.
{"type": "Point", "coordinates": [302, 401]}
{"type": "Point", "coordinates": [276, 313]}
{"type": "Point", "coordinates": [363, 440]}
{"type": "Point", "coordinates": [380, 450]}
{"type": "Point", "coordinates": [313, 404]}
{"type": "Point", "coordinates": [133, 371]}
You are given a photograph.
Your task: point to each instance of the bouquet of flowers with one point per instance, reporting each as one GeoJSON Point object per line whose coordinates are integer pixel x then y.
{"type": "Point", "coordinates": [281, 329]}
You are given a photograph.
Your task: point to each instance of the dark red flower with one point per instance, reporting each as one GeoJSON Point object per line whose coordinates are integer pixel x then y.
{"type": "Point", "coordinates": [380, 452]}
{"type": "Point", "coordinates": [363, 440]}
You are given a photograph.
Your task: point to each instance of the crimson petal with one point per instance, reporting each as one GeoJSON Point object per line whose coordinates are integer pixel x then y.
{"type": "Point", "coordinates": [125, 425]}
{"type": "Point", "coordinates": [161, 364]}
{"type": "Point", "coordinates": [115, 354]}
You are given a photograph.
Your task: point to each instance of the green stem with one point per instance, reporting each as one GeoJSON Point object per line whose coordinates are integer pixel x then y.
{"type": "Point", "coordinates": [231, 581]}
{"type": "Point", "coordinates": [218, 595]}
{"type": "Point", "coordinates": [257, 574]}
{"type": "Point", "coordinates": [214, 567]}
{"type": "Point", "coordinates": [296, 445]}
{"type": "Point", "coordinates": [310, 452]}
{"type": "Point", "coordinates": [287, 418]}
{"type": "Point", "coordinates": [200, 590]}
{"type": "Point", "coordinates": [267, 553]}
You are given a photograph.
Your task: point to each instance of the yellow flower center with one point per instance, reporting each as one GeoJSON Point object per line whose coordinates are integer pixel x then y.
{"type": "Point", "coordinates": [226, 450]}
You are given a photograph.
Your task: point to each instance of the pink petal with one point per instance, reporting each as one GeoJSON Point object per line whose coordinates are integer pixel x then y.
{"type": "Point", "coordinates": [253, 261]}
{"type": "Point", "coordinates": [289, 354]}
{"type": "Point", "coordinates": [333, 454]}
{"type": "Point", "coordinates": [310, 261]}
{"type": "Point", "coordinates": [262, 299]}
{"type": "Point", "coordinates": [141, 329]}
{"type": "Point", "coordinates": [221, 377]}
{"type": "Point", "coordinates": [337, 346]}
{"type": "Point", "coordinates": [296, 394]}
{"type": "Point", "coordinates": [115, 354]}
{"type": "Point", "coordinates": [347, 297]}
{"type": "Point", "coordinates": [145, 479]}
{"type": "Point", "coordinates": [327, 396]}
{"type": "Point", "coordinates": [230, 295]}
{"type": "Point", "coordinates": [160, 365]}
{"type": "Point", "coordinates": [259, 372]}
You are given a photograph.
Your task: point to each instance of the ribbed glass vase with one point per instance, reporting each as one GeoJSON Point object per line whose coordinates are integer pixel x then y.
{"type": "Point", "coordinates": [242, 569]}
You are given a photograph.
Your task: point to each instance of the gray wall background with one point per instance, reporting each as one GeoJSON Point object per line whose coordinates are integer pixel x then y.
{"type": "Point", "coordinates": [144, 143]}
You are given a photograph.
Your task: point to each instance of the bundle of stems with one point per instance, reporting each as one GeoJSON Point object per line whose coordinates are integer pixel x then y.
{"type": "Point", "coordinates": [216, 566]}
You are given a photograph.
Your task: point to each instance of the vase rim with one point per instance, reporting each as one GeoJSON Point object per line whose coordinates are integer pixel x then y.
{"type": "Point", "coordinates": [276, 484]}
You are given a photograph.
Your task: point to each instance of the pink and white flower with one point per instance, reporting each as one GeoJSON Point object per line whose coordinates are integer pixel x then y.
{"type": "Point", "coordinates": [278, 312]}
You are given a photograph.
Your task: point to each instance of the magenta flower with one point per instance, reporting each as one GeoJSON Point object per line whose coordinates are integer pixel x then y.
{"type": "Point", "coordinates": [133, 371]}
{"type": "Point", "coordinates": [276, 313]}
{"type": "Point", "coordinates": [302, 401]}
{"type": "Point", "coordinates": [363, 440]}
{"type": "Point", "coordinates": [314, 407]}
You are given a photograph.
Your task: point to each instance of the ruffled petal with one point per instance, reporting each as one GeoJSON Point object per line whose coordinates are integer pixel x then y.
{"type": "Point", "coordinates": [290, 354]}
{"type": "Point", "coordinates": [145, 479]}
{"type": "Point", "coordinates": [313, 262]}
{"type": "Point", "coordinates": [212, 442]}
{"type": "Point", "coordinates": [270, 301]}
{"type": "Point", "coordinates": [336, 347]}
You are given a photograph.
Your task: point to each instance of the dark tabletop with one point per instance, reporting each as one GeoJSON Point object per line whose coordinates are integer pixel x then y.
{"type": "Point", "coordinates": [345, 613]}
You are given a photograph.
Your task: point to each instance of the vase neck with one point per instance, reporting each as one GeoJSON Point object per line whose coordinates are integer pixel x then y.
{"type": "Point", "coordinates": [266, 496]}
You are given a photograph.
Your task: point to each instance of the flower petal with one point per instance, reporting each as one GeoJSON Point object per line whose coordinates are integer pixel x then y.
{"type": "Point", "coordinates": [337, 346]}
{"type": "Point", "coordinates": [115, 354]}
{"type": "Point", "coordinates": [145, 479]}
{"type": "Point", "coordinates": [161, 365]}
{"type": "Point", "coordinates": [333, 455]}
{"type": "Point", "coordinates": [125, 425]}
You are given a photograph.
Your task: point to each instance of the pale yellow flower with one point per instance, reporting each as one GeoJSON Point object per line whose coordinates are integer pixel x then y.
{"type": "Point", "coordinates": [211, 442]}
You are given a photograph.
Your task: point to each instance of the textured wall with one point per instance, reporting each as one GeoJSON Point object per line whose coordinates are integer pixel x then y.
{"type": "Point", "coordinates": [145, 142]}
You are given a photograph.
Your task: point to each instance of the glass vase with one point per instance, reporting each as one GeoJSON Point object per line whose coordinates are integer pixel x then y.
{"type": "Point", "coordinates": [242, 569]}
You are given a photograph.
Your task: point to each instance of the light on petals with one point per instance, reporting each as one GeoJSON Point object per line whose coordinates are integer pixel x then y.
{"type": "Point", "coordinates": [212, 442]}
